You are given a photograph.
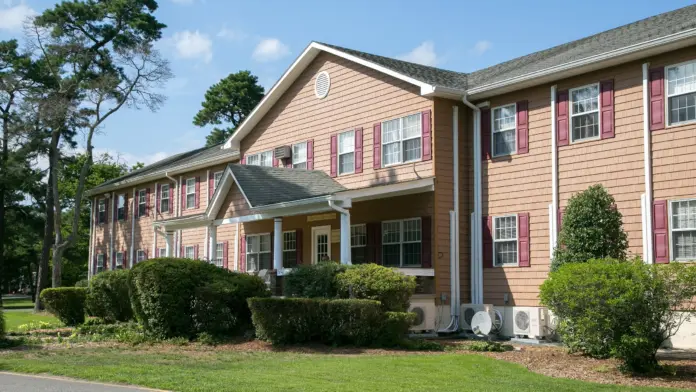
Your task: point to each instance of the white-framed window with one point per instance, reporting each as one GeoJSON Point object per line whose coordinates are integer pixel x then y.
{"type": "Point", "coordinates": [162, 252]}
{"type": "Point", "coordinates": [189, 252]}
{"type": "Point", "coordinates": [121, 207]}
{"type": "Point", "coordinates": [683, 229]}
{"type": "Point", "coordinates": [119, 260]}
{"type": "Point", "coordinates": [289, 249]}
{"type": "Point", "coordinates": [681, 92]}
{"type": "Point", "coordinates": [190, 193]}
{"type": "Point", "coordinates": [101, 208]}
{"type": "Point", "coordinates": [504, 130]}
{"type": "Point", "coordinates": [346, 152]}
{"type": "Point", "coordinates": [101, 262]}
{"type": "Point", "coordinates": [142, 203]}
{"type": "Point", "coordinates": [216, 180]}
{"type": "Point", "coordinates": [140, 256]}
{"type": "Point", "coordinates": [584, 112]}
{"type": "Point", "coordinates": [505, 240]}
{"type": "Point", "coordinates": [358, 244]}
{"type": "Point", "coordinates": [401, 140]}
{"type": "Point", "coordinates": [219, 254]}
{"type": "Point", "coordinates": [264, 158]}
{"type": "Point", "coordinates": [258, 252]}
{"type": "Point", "coordinates": [164, 198]}
{"type": "Point", "coordinates": [299, 155]}
{"type": "Point", "coordinates": [401, 243]}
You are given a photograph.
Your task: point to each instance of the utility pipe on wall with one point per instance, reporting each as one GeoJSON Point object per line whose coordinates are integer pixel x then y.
{"type": "Point", "coordinates": [647, 164]}
{"type": "Point", "coordinates": [132, 259]}
{"type": "Point", "coordinates": [477, 249]}
{"type": "Point", "coordinates": [112, 254]}
{"type": "Point", "coordinates": [90, 264]}
{"type": "Point", "coordinates": [554, 173]}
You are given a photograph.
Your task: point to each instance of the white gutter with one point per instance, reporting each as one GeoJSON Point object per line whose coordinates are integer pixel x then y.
{"type": "Point", "coordinates": [554, 173]}
{"type": "Point", "coordinates": [647, 164]}
{"type": "Point", "coordinates": [133, 227]}
{"type": "Point", "coordinates": [90, 272]}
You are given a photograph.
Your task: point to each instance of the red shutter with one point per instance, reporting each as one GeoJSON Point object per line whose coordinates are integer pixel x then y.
{"type": "Point", "coordinates": [94, 268]}
{"type": "Point", "coordinates": [522, 127]}
{"type": "Point", "coordinates": [334, 155]}
{"type": "Point", "coordinates": [182, 252]}
{"type": "Point", "coordinates": [310, 154]}
{"type": "Point", "coordinates": [427, 136]}
{"type": "Point", "coordinates": [485, 134]}
{"type": "Point", "coordinates": [106, 211]}
{"type": "Point", "coordinates": [183, 195]}
{"type": "Point", "coordinates": [211, 186]}
{"type": "Point", "coordinates": [243, 160]}
{"type": "Point", "coordinates": [660, 232]}
{"type": "Point", "coordinates": [242, 254]}
{"type": "Point", "coordinates": [147, 202]}
{"type": "Point", "coordinates": [606, 108]}
{"type": "Point", "coordinates": [125, 259]}
{"type": "Point", "coordinates": [195, 252]}
{"type": "Point", "coordinates": [225, 246]}
{"type": "Point", "coordinates": [377, 146]}
{"type": "Point", "coordinates": [125, 207]}
{"type": "Point", "coordinates": [374, 242]}
{"type": "Point", "coordinates": [523, 239]}
{"type": "Point", "coordinates": [275, 162]}
{"type": "Point", "coordinates": [657, 99]}
{"type": "Point", "coordinates": [358, 150]}
{"type": "Point", "coordinates": [145, 252]}
{"type": "Point", "coordinates": [158, 197]}
{"type": "Point", "coordinates": [487, 242]}
{"type": "Point", "coordinates": [298, 245]}
{"type": "Point", "coordinates": [426, 242]}
{"type": "Point", "coordinates": [559, 219]}
{"type": "Point", "coordinates": [198, 192]}
{"type": "Point", "coordinates": [562, 126]}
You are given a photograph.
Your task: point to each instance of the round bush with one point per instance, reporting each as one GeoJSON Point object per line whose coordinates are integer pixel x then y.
{"type": "Point", "coordinates": [313, 281]}
{"type": "Point", "coordinates": [182, 297]}
{"type": "Point", "coordinates": [371, 281]}
{"type": "Point", "coordinates": [82, 283]}
{"type": "Point", "coordinates": [66, 303]}
{"type": "Point", "coordinates": [108, 298]}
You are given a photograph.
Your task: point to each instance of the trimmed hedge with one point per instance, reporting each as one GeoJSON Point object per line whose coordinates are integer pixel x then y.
{"type": "Point", "coordinates": [182, 297]}
{"type": "Point", "coordinates": [336, 322]}
{"type": "Point", "coordinates": [371, 281]}
{"type": "Point", "coordinates": [108, 296]}
{"type": "Point", "coordinates": [2, 322]}
{"type": "Point", "coordinates": [66, 303]}
{"type": "Point", "coordinates": [313, 281]}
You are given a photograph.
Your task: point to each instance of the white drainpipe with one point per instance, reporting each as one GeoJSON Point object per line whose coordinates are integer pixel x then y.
{"type": "Point", "coordinates": [112, 253]}
{"type": "Point", "coordinates": [90, 264]}
{"type": "Point", "coordinates": [135, 205]}
{"type": "Point", "coordinates": [177, 210]}
{"type": "Point", "coordinates": [647, 164]}
{"type": "Point", "coordinates": [554, 173]}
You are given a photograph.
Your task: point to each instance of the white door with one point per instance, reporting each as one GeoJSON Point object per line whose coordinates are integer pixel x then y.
{"type": "Point", "coordinates": [321, 244]}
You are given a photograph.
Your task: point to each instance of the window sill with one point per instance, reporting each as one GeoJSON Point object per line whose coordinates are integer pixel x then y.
{"type": "Point", "coordinates": [576, 142]}
{"type": "Point", "coordinates": [416, 271]}
{"type": "Point", "coordinates": [402, 163]}
{"type": "Point", "coordinates": [507, 266]}
{"type": "Point", "coordinates": [680, 124]}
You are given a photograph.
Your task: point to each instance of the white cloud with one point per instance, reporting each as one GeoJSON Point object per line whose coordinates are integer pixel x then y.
{"type": "Point", "coordinates": [13, 17]}
{"type": "Point", "coordinates": [423, 54]}
{"type": "Point", "coordinates": [193, 45]}
{"type": "Point", "coordinates": [270, 49]}
{"type": "Point", "coordinates": [231, 34]}
{"type": "Point", "coordinates": [481, 47]}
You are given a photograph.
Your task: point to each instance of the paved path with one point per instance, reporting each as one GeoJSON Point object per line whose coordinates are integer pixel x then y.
{"type": "Point", "coordinates": [12, 382]}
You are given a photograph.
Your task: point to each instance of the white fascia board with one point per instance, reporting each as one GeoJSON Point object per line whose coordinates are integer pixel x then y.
{"type": "Point", "coordinates": [301, 210]}
{"type": "Point", "coordinates": [220, 194]}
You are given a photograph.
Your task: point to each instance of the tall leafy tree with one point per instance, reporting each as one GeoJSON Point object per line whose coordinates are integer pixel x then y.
{"type": "Point", "coordinates": [228, 102]}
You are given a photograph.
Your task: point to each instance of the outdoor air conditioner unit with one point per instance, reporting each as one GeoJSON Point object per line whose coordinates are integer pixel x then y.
{"type": "Point", "coordinates": [467, 312]}
{"type": "Point", "coordinates": [426, 313]}
{"type": "Point", "coordinates": [552, 321]}
{"type": "Point", "coordinates": [529, 322]}
{"type": "Point", "coordinates": [282, 152]}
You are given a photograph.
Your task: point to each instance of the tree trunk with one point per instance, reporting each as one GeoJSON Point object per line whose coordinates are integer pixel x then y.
{"type": "Point", "coordinates": [4, 157]}
{"type": "Point", "coordinates": [42, 279]}
{"type": "Point", "coordinates": [57, 264]}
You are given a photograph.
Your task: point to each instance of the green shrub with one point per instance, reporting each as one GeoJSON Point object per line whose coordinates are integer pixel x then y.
{"type": "Point", "coordinates": [592, 228]}
{"type": "Point", "coordinates": [624, 309]}
{"type": "Point", "coordinates": [82, 283]}
{"type": "Point", "coordinates": [371, 281]}
{"type": "Point", "coordinates": [395, 328]}
{"type": "Point", "coordinates": [182, 297]}
{"type": "Point", "coordinates": [108, 296]}
{"type": "Point", "coordinates": [313, 281]}
{"type": "Point", "coordinates": [2, 323]}
{"type": "Point", "coordinates": [66, 303]}
{"type": "Point", "coordinates": [129, 332]}
{"type": "Point", "coordinates": [492, 347]}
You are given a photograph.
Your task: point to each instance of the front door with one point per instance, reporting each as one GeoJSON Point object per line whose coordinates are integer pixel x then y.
{"type": "Point", "coordinates": [321, 244]}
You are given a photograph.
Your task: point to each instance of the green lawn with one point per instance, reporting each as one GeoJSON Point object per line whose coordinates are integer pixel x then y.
{"type": "Point", "coordinates": [17, 303]}
{"type": "Point", "coordinates": [15, 318]}
{"type": "Point", "coordinates": [200, 369]}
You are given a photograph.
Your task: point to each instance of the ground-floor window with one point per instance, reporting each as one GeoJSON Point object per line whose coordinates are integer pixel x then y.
{"type": "Point", "coordinates": [683, 213]}
{"type": "Point", "coordinates": [358, 244]}
{"type": "Point", "coordinates": [162, 252]}
{"type": "Point", "coordinates": [401, 243]}
{"type": "Point", "coordinates": [101, 262]}
{"type": "Point", "coordinates": [219, 253]}
{"type": "Point", "coordinates": [140, 256]}
{"type": "Point", "coordinates": [119, 260]}
{"type": "Point", "coordinates": [190, 252]}
{"type": "Point", "coordinates": [505, 240]}
{"type": "Point", "coordinates": [289, 249]}
{"type": "Point", "coordinates": [258, 252]}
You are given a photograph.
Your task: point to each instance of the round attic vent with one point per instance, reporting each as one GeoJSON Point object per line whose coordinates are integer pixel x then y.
{"type": "Point", "coordinates": [321, 84]}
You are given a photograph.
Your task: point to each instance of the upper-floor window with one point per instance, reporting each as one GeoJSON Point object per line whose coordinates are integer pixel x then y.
{"type": "Point", "coordinates": [121, 207]}
{"type": "Point", "coordinates": [216, 180]}
{"type": "Point", "coordinates": [681, 93]}
{"type": "Point", "coordinates": [219, 254]}
{"type": "Point", "coordinates": [299, 155]}
{"type": "Point", "coordinates": [260, 159]}
{"type": "Point", "coordinates": [142, 202]}
{"type": "Point", "coordinates": [505, 240]}
{"type": "Point", "coordinates": [190, 193]}
{"type": "Point", "coordinates": [684, 230]}
{"type": "Point", "coordinates": [584, 112]}
{"type": "Point", "coordinates": [504, 131]}
{"type": "Point", "coordinates": [140, 256]}
{"type": "Point", "coordinates": [258, 252]}
{"type": "Point", "coordinates": [101, 214]}
{"type": "Point", "coordinates": [190, 252]}
{"type": "Point", "coordinates": [164, 198]}
{"type": "Point", "coordinates": [101, 262]}
{"type": "Point", "coordinates": [401, 140]}
{"type": "Point", "coordinates": [289, 249]}
{"type": "Point", "coordinates": [346, 152]}
{"type": "Point", "coordinates": [358, 244]}
{"type": "Point", "coordinates": [119, 260]}
{"type": "Point", "coordinates": [401, 243]}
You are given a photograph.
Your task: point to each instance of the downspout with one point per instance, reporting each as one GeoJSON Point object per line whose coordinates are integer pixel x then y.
{"type": "Point", "coordinates": [553, 226]}
{"type": "Point", "coordinates": [132, 259]}
{"type": "Point", "coordinates": [477, 249]}
{"type": "Point", "coordinates": [178, 207]}
{"type": "Point", "coordinates": [112, 254]}
{"type": "Point", "coordinates": [91, 240]}
{"type": "Point", "coordinates": [647, 163]}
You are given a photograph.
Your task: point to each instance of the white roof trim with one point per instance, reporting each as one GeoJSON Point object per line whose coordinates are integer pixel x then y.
{"type": "Point", "coordinates": [294, 72]}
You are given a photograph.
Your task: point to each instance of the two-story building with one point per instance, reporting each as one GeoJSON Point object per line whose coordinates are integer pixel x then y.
{"type": "Point", "coordinates": [457, 178]}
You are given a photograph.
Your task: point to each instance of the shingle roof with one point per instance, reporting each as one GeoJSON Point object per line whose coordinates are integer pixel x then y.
{"type": "Point", "coordinates": [264, 186]}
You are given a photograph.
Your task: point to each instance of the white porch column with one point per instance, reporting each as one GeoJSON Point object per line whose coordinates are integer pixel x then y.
{"type": "Point", "coordinates": [278, 244]}
{"type": "Point", "coordinates": [345, 238]}
{"type": "Point", "coordinates": [170, 243]}
{"type": "Point", "coordinates": [212, 243]}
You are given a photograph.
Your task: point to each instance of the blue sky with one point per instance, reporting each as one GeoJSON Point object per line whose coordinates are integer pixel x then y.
{"type": "Point", "coordinates": [207, 39]}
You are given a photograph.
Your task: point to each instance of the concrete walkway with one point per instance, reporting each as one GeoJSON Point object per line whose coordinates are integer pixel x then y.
{"type": "Point", "coordinates": [13, 382]}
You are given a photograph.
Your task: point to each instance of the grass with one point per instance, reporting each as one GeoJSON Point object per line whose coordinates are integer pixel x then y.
{"type": "Point", "coordinates": [17, 303]}
{"type": "Point", "coordinates": [15, 318]}
{"type": "Point", "coordinates": [201, 369]}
